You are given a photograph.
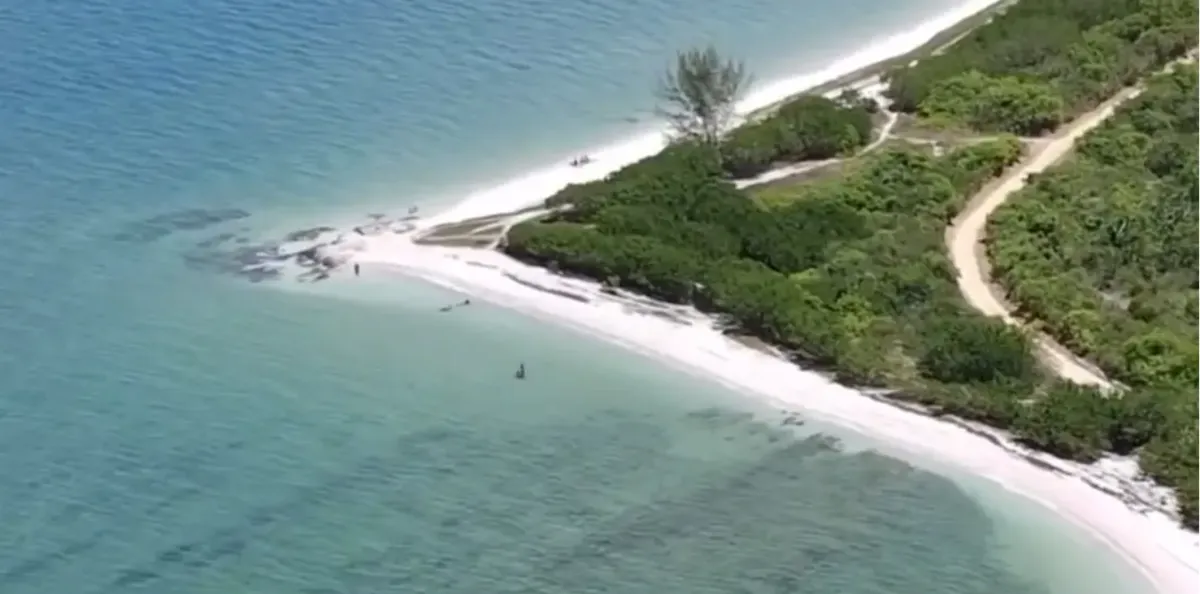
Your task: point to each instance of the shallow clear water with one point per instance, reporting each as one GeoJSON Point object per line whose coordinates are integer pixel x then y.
{"type": "Point", "coordinates": [164, 429]}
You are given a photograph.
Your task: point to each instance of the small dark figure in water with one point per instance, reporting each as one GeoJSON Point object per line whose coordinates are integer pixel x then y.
{"type": "Point", "coordinates": [521, 372]}
{"type": "Point", "coordinates": [462, 303]}
{"type": "Point", "coordinates": [356, 270]}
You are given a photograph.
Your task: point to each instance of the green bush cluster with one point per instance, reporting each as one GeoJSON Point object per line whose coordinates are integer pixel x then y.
{"type": "Point", "coordinates": [1041, 63]}
{"type": "Point", "coordinates": [808, 128]}
{"type": "Point", "coordinates": [1004, 103]}
{"type": "Point", "coordinates": [852, 275]}
{"type": "Point", "coordinates": [1102, 252]}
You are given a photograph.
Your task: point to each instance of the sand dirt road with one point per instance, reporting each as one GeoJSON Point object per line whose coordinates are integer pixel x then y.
{"type": "Point", "coordinates": [965, 237]}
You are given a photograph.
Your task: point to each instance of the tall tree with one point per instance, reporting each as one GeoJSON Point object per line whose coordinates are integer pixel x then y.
{"type": "Point", "coordinates": [698, 94]}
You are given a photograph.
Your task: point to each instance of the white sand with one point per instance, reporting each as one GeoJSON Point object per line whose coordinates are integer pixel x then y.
{"type": "Point", "coordinates": [536, 186]}
{"type": "Point", "coordinates": [1148, 539]}
{"type": "Point", "coordinates": [1090, 496]}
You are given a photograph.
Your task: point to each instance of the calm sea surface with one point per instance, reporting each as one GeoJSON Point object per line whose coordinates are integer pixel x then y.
{"type": "Point", "coordinates": [170, 430]}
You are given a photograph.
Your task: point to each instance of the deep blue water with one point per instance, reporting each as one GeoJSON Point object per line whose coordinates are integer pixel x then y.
{"type": "Point", "coordinates": [166, 429]}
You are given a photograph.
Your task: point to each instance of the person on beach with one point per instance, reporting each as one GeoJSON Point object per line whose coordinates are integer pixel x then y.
{"type": "Point", "coordinates": [356, 269]}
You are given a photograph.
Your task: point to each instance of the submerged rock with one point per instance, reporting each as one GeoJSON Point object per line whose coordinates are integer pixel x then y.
{"type": "Point", "coordinates": [261, 272]}
{"type": "Point", "coordinates": [216, 240]}
{"type": "Point", "coordinates": [376, 228]}
{"type": "Point", "coordinates": [329, 256]}
{"type": "Point", "coordinates": [255, 262]}
{"type": "Point", "coordinates": [347, 242]}
{"type": "Point", "coordinates": [299, 249]}
{"type": "Point", "coordinates": [159, 226]}
{"type": "Point", "coordinates": [308, 234]}
{"type": "Point", "coordinates": [315, 252]}
{"type": "Point", "coordinates": [792, 419]}
{"type": "Point", "coordinates": [313, 276]}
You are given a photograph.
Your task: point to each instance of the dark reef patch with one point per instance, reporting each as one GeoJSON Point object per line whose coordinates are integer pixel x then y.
{"type": "Point", "coordinates": [193, 219]}
{"type": "Point", "coordinates": [217, 240]}
{"type": "Point", "coordinates": [309, 255]}
{"type": "Point", "coordinates": [250, 261]}
{"type": "Point", "coordinates": [307, 234]}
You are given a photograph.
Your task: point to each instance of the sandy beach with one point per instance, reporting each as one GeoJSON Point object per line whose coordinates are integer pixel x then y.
{"type": "Point", "coordinates": [1107, 498]}
{"type": "Point", "coordinates": [690, 341]}
{"type": "Point", "coordinates": [854, 70]}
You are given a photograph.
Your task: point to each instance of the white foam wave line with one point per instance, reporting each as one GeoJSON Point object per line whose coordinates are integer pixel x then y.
{"type": "Point", "coordinates": [1151, 542]}
{"type": "Point", "coordinates": [537, 185]}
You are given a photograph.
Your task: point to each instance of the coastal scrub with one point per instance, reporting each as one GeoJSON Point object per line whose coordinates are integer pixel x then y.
{"type": "Point", "coordinates": [852, 274]}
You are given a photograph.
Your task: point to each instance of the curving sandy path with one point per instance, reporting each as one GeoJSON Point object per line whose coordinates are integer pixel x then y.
{"type": "Point", "coordinates": [797, 168]}
{"type": "Point", "coordinates": [965, 237]}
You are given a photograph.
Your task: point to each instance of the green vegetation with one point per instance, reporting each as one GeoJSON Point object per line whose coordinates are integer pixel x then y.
{"type": "Point", "coordinates": [850, 273]}
{"type": "Point", "coordinates": [852, 276]}
{"type": "Point", "coordinates": [698, 94]}
{"type": "Point", "coordinates": [1102, 252]}
{"type": "Point", "coordinates": [808, 129]}
{"type": "Point", "coordinates": [1042, 63]}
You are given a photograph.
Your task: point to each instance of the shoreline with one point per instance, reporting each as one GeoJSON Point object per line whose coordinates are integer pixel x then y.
{"type": "Point", "coordinates": [858, 68]}
{"type": "Point", "coordinates": [1084, 495]}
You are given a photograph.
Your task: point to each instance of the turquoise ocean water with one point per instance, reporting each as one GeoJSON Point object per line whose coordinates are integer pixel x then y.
{"type": "Point", "coordinates": [167, 429]}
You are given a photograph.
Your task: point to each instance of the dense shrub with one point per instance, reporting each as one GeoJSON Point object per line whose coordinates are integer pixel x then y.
{"type": "Point", "coordinates": [1039, 61]}
{"type": "Point", "coordinates": [970, 349]}
{"type": "Point", "coordinates": [853, 274]}
{"type": "Point", "coordinates": [1101, 251]}
{"type": "Point", "coordinates": [808, 128]}
{"type": "Point", "coordinates": [1002, 104]}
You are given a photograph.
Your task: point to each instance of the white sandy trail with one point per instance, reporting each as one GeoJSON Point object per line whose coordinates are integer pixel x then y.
{"type": "Point", "coordinates": [796, 169]}
{"type": "Point", "coordinates": [965, 237]}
